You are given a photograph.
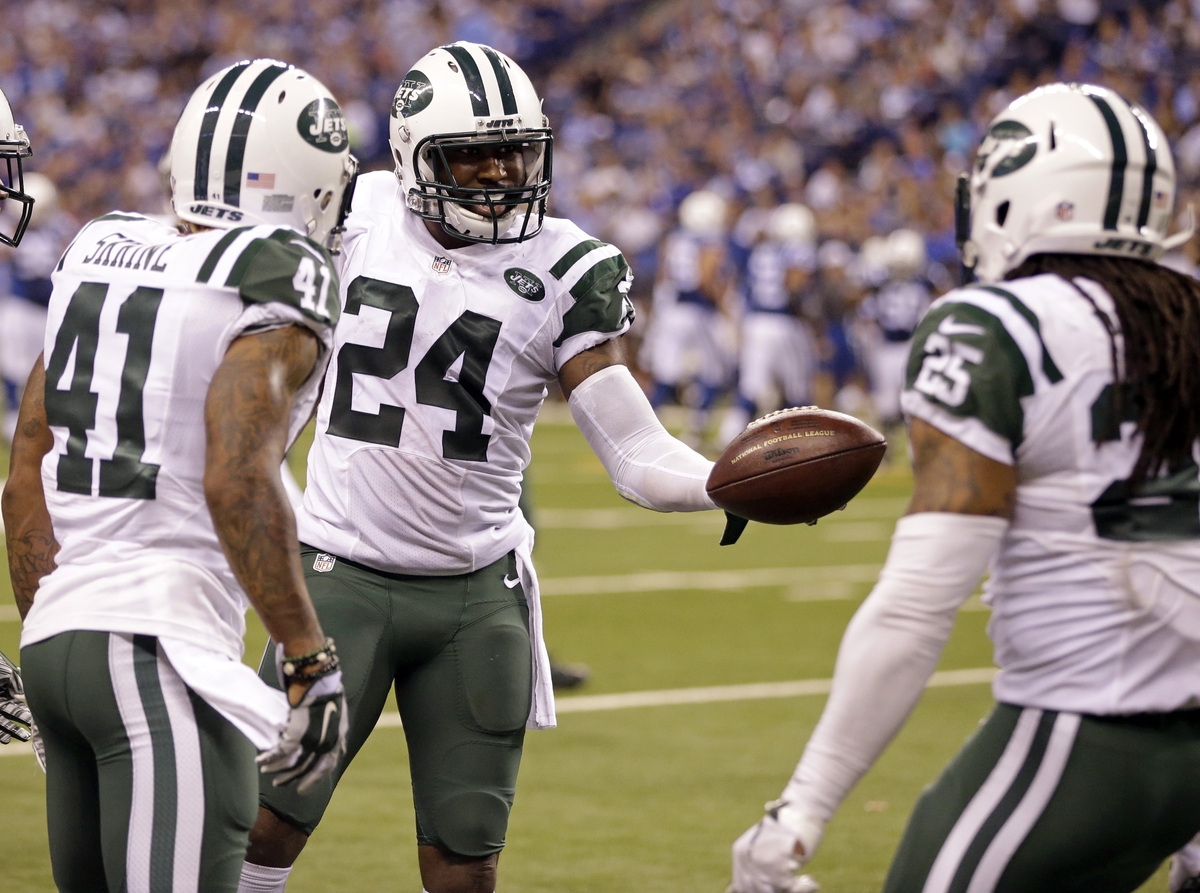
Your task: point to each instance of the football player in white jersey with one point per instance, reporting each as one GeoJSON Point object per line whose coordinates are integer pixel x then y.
{"type": "Point", "coordinates": [691, 338]}
{"type": "Point", "coordinates": [778, 356]}
{"type": "Point", "coordinates": [1054, 409]}
{"type": "Point", "coordinates": [15, 718]}
{"type": "Point", "coordinates": [887, 318]}
{"type": "Point", "coordinates": [463, 303]}
{"type": "Point", "coordinates": [144, 511]}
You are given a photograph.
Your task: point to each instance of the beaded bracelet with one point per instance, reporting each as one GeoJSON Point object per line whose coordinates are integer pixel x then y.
{"type": "Point", "coordinates": [324, 658]}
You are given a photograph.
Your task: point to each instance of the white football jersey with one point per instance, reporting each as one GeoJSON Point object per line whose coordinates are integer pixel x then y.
{"type": "Point", "coordinates": [1095, 592]}
{"type": "Point", "coordinates": [441, 362]}
{"type": "Point", "coordinates": [139, 320]}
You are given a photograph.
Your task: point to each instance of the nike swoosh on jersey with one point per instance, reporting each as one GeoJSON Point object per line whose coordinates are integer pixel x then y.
{"type": "Point", "coordinates": [512, 584]}
{"type": "Point", "coordinates": [950, 327]}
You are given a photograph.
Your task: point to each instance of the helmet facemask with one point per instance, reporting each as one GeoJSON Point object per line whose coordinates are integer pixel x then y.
{"type": "Point", "coordinates": [17, 203]}
{"type": "Point", "coordinates": [512, 214]}
{"type": "Point", "coordinates": [467, 96]}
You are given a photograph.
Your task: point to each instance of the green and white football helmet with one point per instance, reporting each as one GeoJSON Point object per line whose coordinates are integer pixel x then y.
{"type": "Point", "coordinates": [263, 142]}
{"type": "Point", "coordinates": [1067, 168]}
{"type": "Point", "coordinates": [14, 147]}
{"type": "Point", "coordinates": [467, 95]}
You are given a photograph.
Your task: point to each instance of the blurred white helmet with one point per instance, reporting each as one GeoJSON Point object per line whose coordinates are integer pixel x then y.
{"type": "Point", "coordinates": [793, 224]}
{"type": "Point", "coordinates": [1067, 168]}
{"type": "Point", "coordinates": [43, 192]}
{"type": "Point", "coordinates": [873, 260]}
{"type": "Point", "coordinates": [14, 147]}
{"type": "Point", "coordinates": [835, 255]}
{"type": "Point", "coordinates": [470, 96]}
{"type": "Point", "coordinates": [906, 256]}
{"type": "Point", "coordinates": [263, 142]}
{"type": "Point", "coordinates": [703, 213]}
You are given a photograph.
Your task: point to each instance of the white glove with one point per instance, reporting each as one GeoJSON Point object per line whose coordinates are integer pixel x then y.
{"type": "Point", "coordinates": [765, 858]}
{"type": "Point", "coordinates": [1185, 868]}
{"type": "Point", "coordinates": [314, 736]}
{"type": "Point", "coordinates": [15, 718]}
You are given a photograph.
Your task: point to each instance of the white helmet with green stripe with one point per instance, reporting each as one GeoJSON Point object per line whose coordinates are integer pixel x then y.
{"type": "Point", "coordinates": [467, 95]}
{"type": "Point", "coordinates": [14, 148]}
{"type": "Point", "coordinates": [1067, 168]}
{"type": "Point", "coordinates": [263, 142]}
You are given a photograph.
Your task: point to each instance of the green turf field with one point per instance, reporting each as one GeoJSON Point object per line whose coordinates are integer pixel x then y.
{"type": "Point", "coordinates": [708, 666]}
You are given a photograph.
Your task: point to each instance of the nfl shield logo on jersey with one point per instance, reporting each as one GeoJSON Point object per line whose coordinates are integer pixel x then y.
{"type": "Point", "coordinates": [324, 563]}
{"type": "Point", "coordinates": [441, 264]}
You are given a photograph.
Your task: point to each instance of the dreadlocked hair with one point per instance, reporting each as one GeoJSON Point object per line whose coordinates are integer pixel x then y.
{"type": "Point", "coordinates": [1159, 314]}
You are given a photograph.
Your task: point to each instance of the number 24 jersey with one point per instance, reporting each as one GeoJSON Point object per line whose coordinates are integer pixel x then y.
{"type": "Point", "coordinates": [1095, 592]}
{"type": "Point", "coordinates": [442, 360]}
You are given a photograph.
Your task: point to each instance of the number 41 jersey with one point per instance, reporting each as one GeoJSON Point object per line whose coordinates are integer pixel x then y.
{"type": "Point", "coordinates": [1095, 592]}
{"type": "Point", "coordinates": [139, 320]}
{"type": "Point", "coordinates": [442, 360]}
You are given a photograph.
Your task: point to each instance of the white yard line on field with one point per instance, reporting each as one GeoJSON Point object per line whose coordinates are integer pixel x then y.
{"type": "Point", "coordinates": [747, 578]}
{"type": "Point", "coordinates": [880, 509]}
{"type": "Point", "coordinates": [714, 694]}
{"type": "Point", "coordinates": [675, 696]}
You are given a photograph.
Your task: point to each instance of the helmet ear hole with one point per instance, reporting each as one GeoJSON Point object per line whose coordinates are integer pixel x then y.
{"type": "Point", "coordinates": [1001, 213]}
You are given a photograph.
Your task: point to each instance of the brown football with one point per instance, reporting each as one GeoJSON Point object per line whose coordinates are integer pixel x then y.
{"type": "Point", "coordinates": [795, 465]}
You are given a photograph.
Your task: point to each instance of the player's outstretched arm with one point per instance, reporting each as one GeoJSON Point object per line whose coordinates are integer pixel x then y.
{"type": "Point", "coordinates": [28, 531]}
{"type": "Point", "coordinates": [647, 465]}
{"type": "Point", "coordinates": [960, 509]}
{"type": "Point", "coordinates": [246, 418]}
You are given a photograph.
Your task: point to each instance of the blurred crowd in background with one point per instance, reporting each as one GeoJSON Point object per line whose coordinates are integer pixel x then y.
{"type": "Point", "coordinates": [861, 112]}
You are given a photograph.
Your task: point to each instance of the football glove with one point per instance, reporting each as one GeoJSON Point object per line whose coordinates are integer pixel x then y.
{"type": "Point", "coordinates": [15, 718]}
{"type": "Point", "coordinates": [765, 858]}
{"type": "Point", "coordinates": [314, 736]}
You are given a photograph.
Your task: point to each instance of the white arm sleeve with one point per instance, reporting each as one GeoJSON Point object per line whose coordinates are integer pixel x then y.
{"type": "Point", "coordinates": [647, 465]}
{"type": "Point", "coordinates": [890, 649]}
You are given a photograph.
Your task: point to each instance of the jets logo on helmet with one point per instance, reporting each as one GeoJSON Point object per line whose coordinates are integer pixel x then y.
{"type": "Point", "coordinates": [1067, 168]}
{"type": "Point", "coordinates": [323, 125]}
{"type": "Point", "coordinates": [414, 95]}
{"type": "Point", "coordinates": [263, 116]}
{"type": "Point", "coordinates": [1008, 146]}
{"type": "Point", "coordinates": [467, 95]}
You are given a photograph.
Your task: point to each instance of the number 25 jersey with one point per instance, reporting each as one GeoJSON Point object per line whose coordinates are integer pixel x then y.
{"type": "Point", "coordinates": [442, 360]}
{"type": "Point", "coordinates": [1095, 592]}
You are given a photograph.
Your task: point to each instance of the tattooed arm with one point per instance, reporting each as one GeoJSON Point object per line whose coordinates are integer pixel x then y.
{"type": "Point", "coordinates": [588, 362]}
{"type": "Point", "coordinates": [28, 532]}
{"type": "Point", "coordinates": [646, 464]}
{"type": "Point", "coordinates": [246, 418]}
{"type": "Point", "coordinates": [951, 477]}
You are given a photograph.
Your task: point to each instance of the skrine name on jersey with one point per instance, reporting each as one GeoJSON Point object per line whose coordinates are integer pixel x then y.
{"type": "Point", "coordinates": [120, 251]}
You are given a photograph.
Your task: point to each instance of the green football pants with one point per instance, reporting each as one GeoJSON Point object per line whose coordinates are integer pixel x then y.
{"type": "Point", "coordinates": [456, 650]}
{"type": "Point", "coordinates": [148, 788]}
{"type": "Point", "coordinates": [1045, 802]}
